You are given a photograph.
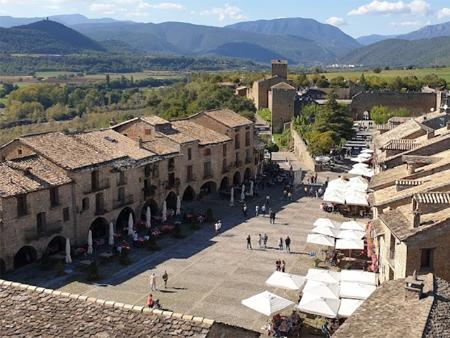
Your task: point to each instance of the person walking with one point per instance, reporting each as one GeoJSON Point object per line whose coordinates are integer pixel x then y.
{"type": "Point", "coordinates": [267, 199]}
{"type": "Point", "coordinates": [287, 243]}
{"type": "Point", "coordinates": [280, 244]}
{"type": "Point", "coordinates": [152, 282]}
{"type": "Point", "coordinates": [273, 217]}
{"type": "Point", "coordinates": [285, 194]}
{"type": "Point", "coordinates": [217, 226]}
{"type": "Point", "coordinates": [263, 210]}
{"type": "Point", "coordinates": [278, 265]}
{"type": "Point", "coordinates": [265, 239]}
{"type": "Point", "coordinates": [244, 209]}
{"type": "Point", "coordinates": [165, 278]}
{"type": "Point", "coordinates": [257, 211]}
{"type": "Point", "coordinates": [283, 266]}
{"type": "Point", "coordinates": [290, 196]}
{"type": "Point", "coordinates": [249, 243]}
{"type": "Point", "coordinates": [260, 241]}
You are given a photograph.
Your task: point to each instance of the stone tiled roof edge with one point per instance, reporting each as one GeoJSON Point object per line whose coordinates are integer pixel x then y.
{"type": "Point", "coordinates": [112, 304]}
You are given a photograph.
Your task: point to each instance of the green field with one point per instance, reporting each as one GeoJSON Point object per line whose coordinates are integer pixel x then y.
{"type": "Point", "coordinates": [390, 74]}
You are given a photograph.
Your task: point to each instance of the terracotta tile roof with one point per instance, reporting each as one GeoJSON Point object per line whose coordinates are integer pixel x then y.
{"type": "Point", "coordinates": [438, 324]}
{"type": "Point", "coordinates": [49, 314]}
{"type": "Point", "coordinates": [228, 118]}
{"type": "Point", "coordinates": [282, 85]}
{"type": "Point", "coordinates": [402, 144]}
{"type": "Point", "coordinates": [388, 313]}
{"type": "Point", "coordinates": [388, 176]}
{"type": "Point", "coordinates": [204, 135]}
{"type": "Point", "coordinates": [28, 174]}
{"type": "Point", "coordinates": [153, 120]}
{"type": "Point", "coordinates": [401, 131]}
{"type": "Point", "coordinates": [161, 145]}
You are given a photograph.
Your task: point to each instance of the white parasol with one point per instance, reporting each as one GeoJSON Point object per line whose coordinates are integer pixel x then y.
{"type": "Point", "coordinates": [324, 276]}
{"type": "Point", "coordinates": [68, 258]}
{"type": "Point", "coordinates": [232, 197]}
{"type": "Point", "coordinates": [359, 276]}
{"type": "Point", "coordinates": [148, 217]}
{"type": "Point", "coordinates": [325, 307]}
{"type": "Point", "coordinates": [352, 225]}
{"type": "Point", "coordinates": [320, 240]}
{"type": "Point", "coordinates": [323, 230]}
{"type": "Point", "coordinates": [350, 244]}
{"type": "Point", "coordinates": [348, 306]}
{"type": "Point", "coordinates": [164, 212]}
{"type": "Point", "coordinates": [287, 281]}
{"type": "Point", "coordinates": [130, 225]}
{"type": "Point", "coordinates": [178, 212]}
{"type": "Point", "coordinates": [320, 289]}
{"type": "Point", "coordinates": [111, 234]}
{"type": "Point", "coordinates": [267, 303]}
{"type": "Point", "coordinates": [90, 249]}
{"type": "Point", "coordinates": [327, 223]}
{"type": "Point", "coordinates": [351, 234]}
{"type": "Point", "coordinates": [356, 290]}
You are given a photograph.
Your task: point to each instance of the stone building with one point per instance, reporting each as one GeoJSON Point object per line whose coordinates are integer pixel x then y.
{"type": "Point", "coordinates": [55, 186]}
{"type": "Point", "coordinates": [281, 101]}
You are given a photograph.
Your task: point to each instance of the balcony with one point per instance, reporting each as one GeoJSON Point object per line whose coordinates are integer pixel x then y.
{"type": "Point", "coordinates": [31, 233]}
{"type": "Point", "coordinates": [127, 200]}
{"type": "Point", "coordinates": [101, 185]}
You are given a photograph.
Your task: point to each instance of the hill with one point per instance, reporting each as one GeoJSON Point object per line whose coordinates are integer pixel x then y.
{"type": "Point", "coordinates": [327, 36]}
{"type": "Point", "coordinates": [68, 19]}
{"type": "Point", "coordinates": [374, 38]}
{"type": "Point", "coordinates": [428, 32]}
{"type": "Point", "coordinates": [45, 37]}
{"type": "Point", "coordinates": [197, 40]}
{"type": "Point", "coordinates": [402, 53]}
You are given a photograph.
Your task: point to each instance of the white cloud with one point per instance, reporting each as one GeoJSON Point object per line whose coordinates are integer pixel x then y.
{"type": "Point", "coordinates": [443, 13]}
{"type": "Point", "coordinates": [104, 8]}
{"type": "Point", "coordinates": [415, 7]}
{"type": "Point", "coordinates": [132, 8]}
{"type": "Point", "coordinates": [227, 12]}
{"type": "Point", "coordinates": [336, 21]}
{"type": "Point", "coordinates": [167, 5]}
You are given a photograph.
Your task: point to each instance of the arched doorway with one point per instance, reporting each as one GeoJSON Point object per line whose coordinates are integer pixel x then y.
{"type": "Point", "coordinates": [248, 174]}
{"type": "Point", "coordinates": [224, 184]}
{"type": "Point", "coordinates": [171, 201]}
{"type": "Point", "coordinates": [57, 244]}
{"type": "Point", "coordinates": [208, 188]}
{"type": "Point", "coordinates": [2, 267]}
{"type": "Point", "coordinates": [99, 228]}
{"type": "Point", "coordinates": [24, 256]}
{"type": "Point", "coordinates": [122, 219]}
{"type": "Point", "coordinates": [189, 194]}
{"type": "Point", "coordinates": [237, 178]}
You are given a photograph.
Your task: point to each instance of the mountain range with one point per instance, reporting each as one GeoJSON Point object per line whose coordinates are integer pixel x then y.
{"type": "Point", "coordinates": [300, 41]}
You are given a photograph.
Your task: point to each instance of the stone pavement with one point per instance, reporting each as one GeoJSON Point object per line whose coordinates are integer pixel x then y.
{"type": "Point", "coordinates": [209, 275]}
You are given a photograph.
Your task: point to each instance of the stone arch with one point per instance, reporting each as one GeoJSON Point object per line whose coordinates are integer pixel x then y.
{"type": "Point", "coordinates": [56, 244]}
{"type": "Point", "coordinates": [153, 208]}
{"type": "Point", "coordinates": [171, 200]}
{"type": "Point", "coordinates": [208, 188]}
{"type": "Point", "coordinates": [122, 219]}
{"type": "Point", "coordinates": [99, 228]}
{"type": "Point", "coordinates": [26, 255]}
{"type": "Point", "coordinates": [237, 178]}
{"type": "Point", "coordinates": [188, 194]}
{"type": "Point", "coordinates": [224, 184]}
{"type": "Point", "coordinates": [248, 174]}
{"type": "Point", "coordinates": [2, 267]}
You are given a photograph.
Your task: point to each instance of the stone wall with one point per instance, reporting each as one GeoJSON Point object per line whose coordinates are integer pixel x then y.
{"type": "Point", "coordinates": [301, 152]}
{"type": "Point", "coordinates": [416, 103]}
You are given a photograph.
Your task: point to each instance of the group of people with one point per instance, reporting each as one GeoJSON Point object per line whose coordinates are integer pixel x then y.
{"type": "Point", "coordinates": [283, 244]}
{"type": "Point", "coordinates": [152, 280]}
{"type": "Point", "coordinates": [280, 265]}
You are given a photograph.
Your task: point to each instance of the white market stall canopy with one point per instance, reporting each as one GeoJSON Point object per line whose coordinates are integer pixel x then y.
{"type": "Point", "coordinates": [350, 192]}
{"type": "Point", "coordinates": [366, 172]}
{"type": "Point", "coordinates": [319, 306]}
{"type": "Point", "coordinates": [323, 230]}
{"type": "Point", "coordinates": [359, 276]}
{"type": "Point", "coordinates": [320, 240]}
{"type": "Point", "coordinates": [267, 303]}
{"type": "Point", "coordinates": [351, 234]}
{"type": "Point", "coordinates": [324, 276]}
{"type": "Point", "coordinates": [348, 306]}
{"type": "Point", "coordinates": [326, 223]}
{"type": "Point", "coordinates": [356, 290]}
{"type": "Point", "coordinates": [286, 281]}
{"type": "Point", "coordinates": [367, 151]}
{"type": "Point", "coordinates": [352, 225]}
{"type": "Point", "coordinates": [349, 244]}
{"type": "Point", "coordinates": [320, 289]}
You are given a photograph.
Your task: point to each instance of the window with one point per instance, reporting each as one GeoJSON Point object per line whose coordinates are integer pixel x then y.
{"type": "Point", "coordinates": [148, 132]}
{"type": "Point", "coordinates": [207, 152]}
{"type": "Point", "coordinates": [248, 156]}
{"type": "Point", "coordinates": [95, 180]}
{"type": "Point", "coordinates": [426, 259]}
{"type": "Point", "coordinates": [224, 150]}
{"type": "Point", "coordinates": [66, 214]}
{"type": "Point", "coordinates": [121, 194]}
{"type": "Point", "coordinates": [40, 223]}
{"type": "Point", "coordinates": [207, 169]}
{"type": "Point", "coordinates": [237, 144]}
{"type": "Point", "coordinates": [189, 154]}
{"type": "Point", "coordinates": [85, 204]}
{"type": "Point", "coordinates": [99, 203]}
{"type": "Point", "coordinates": [237, 159]}
{"type": "Point", "coordinates": [121, 179]}
{"type": "Point", "coordinates": [171, 180]}
{"type": "Point", "coordinates": [19, 151]}
{"type": "Point", "coordinates": [155, 171]}
{"type": "Point", "coordinates": [392, 248]}
{"type": "Point", "coordinates": [224, 166]}
{"type": "Point", "coordinates": [247, 139]}
{"type": "Point", "coordinates": [21, 205]}
{"type": "Point", "coordinates": [54, 197]}
{"type": "Point", "coordinates": [171, 164]}
{"type": "Point", "coordinates": [147, 170]}
{"type": "Point", "coordinates": [189, 173]}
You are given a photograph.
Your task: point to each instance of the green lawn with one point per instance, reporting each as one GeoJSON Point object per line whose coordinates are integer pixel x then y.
{"type": "Point", "coordinates": [389, 74]}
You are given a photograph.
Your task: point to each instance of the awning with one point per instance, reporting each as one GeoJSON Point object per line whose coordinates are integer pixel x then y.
{"type": "Point", "coordinates": [324, 276]}
{"type": "Point", "coordinates": [350, 234]}
{"type": "Point", "coordinates": [350, 244]}
{"type": "Point", "coordinates": [320, 240]}
{"type": "Point", "coordinates": [286, 281]}
{"type": "Point", "coordinates": [352, 225]}
{"type": "Point", "coordinates": [267, 303]}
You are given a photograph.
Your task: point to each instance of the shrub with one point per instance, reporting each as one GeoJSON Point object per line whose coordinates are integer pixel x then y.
{"type": "Point", "coordinates": [93, 274]}
{"type": "Point", "coordinates": [266, 115]}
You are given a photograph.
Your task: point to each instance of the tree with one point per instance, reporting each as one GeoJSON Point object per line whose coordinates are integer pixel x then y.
{"type": "Point", "coordinates": [381, 114]}
{"type": "Point", "coordinates": [321, 143]}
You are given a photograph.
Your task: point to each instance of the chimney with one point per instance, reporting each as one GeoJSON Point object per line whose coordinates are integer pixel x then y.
{"type": "Point", "coordinates": [411, 168]}
{"type": "Point", "coordinates": [430, 134]}
{"type": "Point", "coordinates": [448, 125]}
{"type": "Point", "coordinates": [139, 142]}
{"type": "Point", "coordinates": [416, 218]}
{"type": "Point", "coordinates": [413, 287]}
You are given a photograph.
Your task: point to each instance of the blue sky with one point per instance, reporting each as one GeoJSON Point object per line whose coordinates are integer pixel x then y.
{"type": "Point", "coordinates": [355, 17]}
